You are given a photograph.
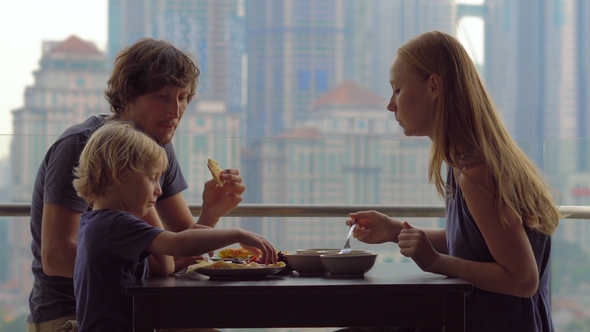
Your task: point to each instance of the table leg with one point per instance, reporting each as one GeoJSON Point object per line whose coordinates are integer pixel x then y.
{"type": "Point", "coordinates": [454, 312]}
{"type": "Point", "coordinates": [143, 313]}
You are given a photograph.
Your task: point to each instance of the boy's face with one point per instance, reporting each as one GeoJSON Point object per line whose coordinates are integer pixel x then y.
{"type": "Point", "coordinates": [158, 113]}
{"type": "Point", "coordinates": [140, 190]}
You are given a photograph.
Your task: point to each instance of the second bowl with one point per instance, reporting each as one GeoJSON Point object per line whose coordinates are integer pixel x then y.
{"type": "Point", "coordinates": [352, 264]}
{"type": "Point", "coordinates": [307, 262]}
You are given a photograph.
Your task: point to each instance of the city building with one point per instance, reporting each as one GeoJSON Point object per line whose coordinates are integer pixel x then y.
{"type": "Point", "coordinates": [299, 50]}
{"type": "Point", "coordinates": [211, 31]}
{"type": "Point", "coordinates": [531, 69]}
{"type": "Point", "coordinates": [348, 150]}
{"type": "Point", "coordinates": [583, 79]}
{"type": "Point", "coordinates": [68, 88]}
{"type": "Point", "coordinates": [536, 70]}
{"type": "Point", "coordinates": [207, 130]}
{"type": "Point", "coordinates": [295, 54]}
{"type": "Point", "coordinates": [375, 29]}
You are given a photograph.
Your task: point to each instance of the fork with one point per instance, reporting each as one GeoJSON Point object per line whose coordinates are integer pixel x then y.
{"type": "Point", "coordinates": [346, 249]}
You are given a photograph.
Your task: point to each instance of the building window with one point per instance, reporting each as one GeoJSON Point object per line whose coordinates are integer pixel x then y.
{"type": "Point", "coordinates": [79, 65]}
{"type": "Point", "coordinates": [321, 80]}
{"type": "Point", "coordinates": [278, 80]}
{"type": "Point", "coordinates": [260, 80]}
{"type": "Point", "coordinates": [200, 143]}
{"type": "Point", "coordinates": [303, 77]}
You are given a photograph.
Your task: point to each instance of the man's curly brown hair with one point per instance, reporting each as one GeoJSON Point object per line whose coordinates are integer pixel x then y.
{"type": "Point", "coordinates": [147, 66]}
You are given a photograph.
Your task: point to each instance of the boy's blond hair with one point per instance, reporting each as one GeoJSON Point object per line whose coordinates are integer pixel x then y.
{"type": "Point", "coordinates": [113, 152]}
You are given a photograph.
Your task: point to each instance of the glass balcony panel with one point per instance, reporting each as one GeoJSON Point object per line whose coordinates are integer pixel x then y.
{"type": "Point", "coordinates": [336, 171]}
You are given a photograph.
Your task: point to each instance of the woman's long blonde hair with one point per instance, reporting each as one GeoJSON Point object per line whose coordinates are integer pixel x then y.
{"type": "Point", "coordinates": [466, 123]}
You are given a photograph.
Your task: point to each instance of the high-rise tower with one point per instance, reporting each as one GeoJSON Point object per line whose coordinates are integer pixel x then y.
{"type": "Point", "coordinates": [206, 29]}
{"type": "Point", "coordinates": [377, 28]}
{"type": "Point", "coordinates": [295, 54]}
{"type": "Point", "coordinates": [68, 87]}
{"type": "Point", "coordinates": [530, 69]}
{"type": "Point", "coordinates": [298, 50]}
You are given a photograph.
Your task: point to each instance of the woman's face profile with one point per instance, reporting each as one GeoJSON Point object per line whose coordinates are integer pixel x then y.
{"type": "Point", "coordinates": [412, 100]}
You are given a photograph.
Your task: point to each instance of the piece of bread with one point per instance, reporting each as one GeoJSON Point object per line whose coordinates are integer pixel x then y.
{"type": "Point", "coordinates": [215, 171]}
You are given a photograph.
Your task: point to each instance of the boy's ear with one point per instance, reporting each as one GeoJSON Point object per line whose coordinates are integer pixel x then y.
{"type": "Point", "coordinates": [434, 85]}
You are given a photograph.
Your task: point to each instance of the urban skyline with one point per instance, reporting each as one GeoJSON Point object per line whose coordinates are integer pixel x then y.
{"type": "Point", "coordinates": [313, 158]}
{"type": "Point", "coordinates": [88, 21]}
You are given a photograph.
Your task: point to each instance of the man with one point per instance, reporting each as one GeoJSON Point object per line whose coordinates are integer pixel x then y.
{"type": "Point", "coordinates": [151, 85]}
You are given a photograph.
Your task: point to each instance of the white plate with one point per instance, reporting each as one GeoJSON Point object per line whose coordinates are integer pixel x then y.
{"type": "Point", "coordinates": [239, 274]}
{"type": "Point", "coordinates": [215, 259]}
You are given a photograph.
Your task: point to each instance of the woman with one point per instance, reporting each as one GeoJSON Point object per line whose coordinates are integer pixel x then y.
{"type": "Point", "coordinates": [500, 215]}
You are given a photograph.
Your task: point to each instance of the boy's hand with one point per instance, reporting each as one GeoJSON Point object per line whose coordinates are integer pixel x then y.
{"type": "Point", "coordinates": [259, 246]}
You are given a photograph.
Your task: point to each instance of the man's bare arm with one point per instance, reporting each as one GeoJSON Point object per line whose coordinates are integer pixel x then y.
{"type": "Point", "coordinates": [174, 213]}
{"type": "Point", "coordinates": [59, 238]}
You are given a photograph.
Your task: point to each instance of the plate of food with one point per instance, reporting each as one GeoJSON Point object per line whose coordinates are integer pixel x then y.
{"type": "Point", "coordinates": [239, 255]}
{"type": "Point", "coordinates": [222, 270]}
{"type": "Point", "coordinates": [233, 253]}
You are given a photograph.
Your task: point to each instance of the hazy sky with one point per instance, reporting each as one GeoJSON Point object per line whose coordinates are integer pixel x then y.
{"type": "Point", "coordinates": [24, 24]}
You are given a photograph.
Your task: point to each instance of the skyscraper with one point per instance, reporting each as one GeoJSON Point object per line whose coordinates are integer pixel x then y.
{"type": "Point", "coordinates": [583, 84]}
{"type": "Point", "coordinates": [376, 28]}
{"type": "Point", "coordinates": [206, 29]}
{"type": "Point", "coordinates": [295, 54]}
{"type": "Point", "coordinates": [299, 49]}
{"type": "Point", "coordinates": [531, 69]}
{"type": "Point", "coordinates": [68, 88]}
{"type": "Point", "coordinates": [349, 150]}
{"type": "Point", "coordinates": [207, 130]}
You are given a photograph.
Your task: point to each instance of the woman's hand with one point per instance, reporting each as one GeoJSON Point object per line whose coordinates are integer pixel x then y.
{"type": "Point", "coordinates": [415, 244]}
{"type": "Point", "coordinates": [219, 201]}
{"type": "Point", "coordinates": [374, 227]}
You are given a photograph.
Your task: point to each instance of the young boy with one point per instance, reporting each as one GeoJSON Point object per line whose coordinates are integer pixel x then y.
{"type": "Point", "coordinates": [118, 175]}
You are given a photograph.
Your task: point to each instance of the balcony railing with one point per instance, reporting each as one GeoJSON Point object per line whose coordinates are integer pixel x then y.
{"type": "Point", "coordinates": [302, 188]}
{"type": "Point", "coordinates": [317, 210]}
{"type": "Point", "coordinates": [568, 285]}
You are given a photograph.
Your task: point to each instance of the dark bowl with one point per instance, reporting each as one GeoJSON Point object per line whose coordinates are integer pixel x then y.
{"type": "Point", "coordinates": [307, 263]}
{"type": "Point", "coordinates": [352, 264]}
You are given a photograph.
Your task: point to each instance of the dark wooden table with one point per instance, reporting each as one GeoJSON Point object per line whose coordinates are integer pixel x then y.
{"type": "Point", "coordinates": [391, 294]}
